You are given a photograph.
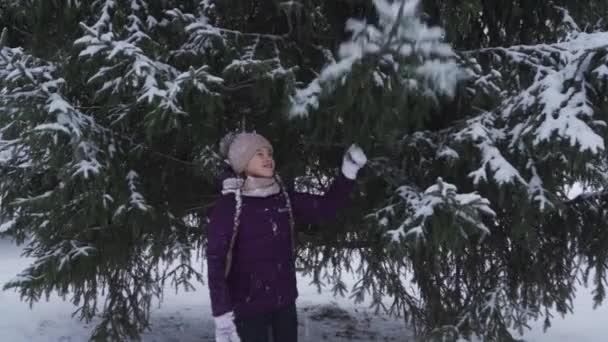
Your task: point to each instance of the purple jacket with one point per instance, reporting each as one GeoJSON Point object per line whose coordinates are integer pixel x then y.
{"type": "Point", "coordinates": [262, 276]}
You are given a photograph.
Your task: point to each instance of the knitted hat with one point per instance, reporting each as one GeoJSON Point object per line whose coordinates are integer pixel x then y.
{"type": "Point", "coordinates": [242, 148]}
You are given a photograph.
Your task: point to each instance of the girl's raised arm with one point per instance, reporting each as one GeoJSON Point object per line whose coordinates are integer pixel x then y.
{"type": "Point", "coordinates": [310, 208]}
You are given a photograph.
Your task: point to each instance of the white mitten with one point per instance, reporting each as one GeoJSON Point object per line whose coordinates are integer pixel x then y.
{"type": "Point", "coordinates": [225, 330]}
{"type": "Point", "coordinates": [354, 159]}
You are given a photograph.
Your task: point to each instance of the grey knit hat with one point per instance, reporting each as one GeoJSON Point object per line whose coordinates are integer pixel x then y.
{"type": "Point", "coordinates": [241, 147]}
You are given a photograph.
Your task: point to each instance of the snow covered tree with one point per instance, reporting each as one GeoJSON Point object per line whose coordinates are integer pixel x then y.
{"type": "Point", "coordinates": [110, 112]}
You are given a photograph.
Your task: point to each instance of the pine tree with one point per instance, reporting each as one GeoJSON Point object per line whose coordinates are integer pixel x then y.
{"type": "Point", "coordinates": [110, 112]}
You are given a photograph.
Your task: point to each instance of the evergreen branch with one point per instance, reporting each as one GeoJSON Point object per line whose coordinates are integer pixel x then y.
{"type": "Point", "coordinates": [169, 157]}
{"type": "Point", "coordinates": [29, 34]}
{"type": "Point", "coordinates": [589, 196]}
{"type": "Point", "coordinates": [239, 86]}
{"type": "Point", "coordinates": [393, 31]}
{"type": "Point", "coordinates": [273, 37]}
{"type": "Point", "coordinates": [317, 241]}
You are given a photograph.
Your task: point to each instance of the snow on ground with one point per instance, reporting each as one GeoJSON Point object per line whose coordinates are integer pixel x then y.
{"type": "Point", "coordinates": [584, 325]}
{"type": "Point", "coordinates": [186, 316]}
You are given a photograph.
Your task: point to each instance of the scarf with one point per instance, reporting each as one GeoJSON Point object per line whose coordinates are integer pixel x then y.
{"type": "Point", "coordinates": [252, 186]}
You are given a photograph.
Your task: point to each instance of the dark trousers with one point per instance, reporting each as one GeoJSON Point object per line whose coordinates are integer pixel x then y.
{"type": "Point", "coordinates": [278, 326]}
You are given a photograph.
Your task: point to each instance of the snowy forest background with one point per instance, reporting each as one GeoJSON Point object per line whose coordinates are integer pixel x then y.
{"type": "Point", "coordinates": [477, 116]}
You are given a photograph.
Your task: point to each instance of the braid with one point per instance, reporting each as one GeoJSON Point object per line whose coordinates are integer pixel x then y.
{"type": "Point", "coordinates": [292, 222]}
{"type": "Point", "coordinates": [235, 229]}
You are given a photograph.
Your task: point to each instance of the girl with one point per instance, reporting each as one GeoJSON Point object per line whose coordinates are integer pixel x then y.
{"type": "Point", "coordinates": [250, 252]}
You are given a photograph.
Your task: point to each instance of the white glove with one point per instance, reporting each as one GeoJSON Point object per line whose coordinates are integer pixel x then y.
{"type": "Point", "coordinates": [354, 159]}
{"type": "Point", "coordinates": [225, 330]}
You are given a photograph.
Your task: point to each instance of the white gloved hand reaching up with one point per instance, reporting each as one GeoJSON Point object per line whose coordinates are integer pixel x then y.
{"type": "Point", "coordinates": [354, 159]}
{"type": "Point", "coordinates": [225, 330]}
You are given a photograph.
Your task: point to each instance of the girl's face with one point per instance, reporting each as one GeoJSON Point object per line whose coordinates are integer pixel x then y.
{"type": "Point", "coordinates": [262, 164]}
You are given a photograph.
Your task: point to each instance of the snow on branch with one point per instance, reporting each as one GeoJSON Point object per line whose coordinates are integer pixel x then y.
{"type": "Point", "coordinates": [30, 87]}
{"type": "Point", "coordinates": [467, 209]}
{"type": "Point", "coordinates": [546, 110]}
{"type": "Point", "coordinates": [130, 65]}
{"type": "Point", "coordinates": [58, 257]}
{"type": "Point", "coordinates": [202, 34]}
{"type": "Point", "coordinates": [104, 23]}
{"type": "Point", "coordinates": [400, 41]}
{"type": "Point", "coordinates": [481, 131]}
{"type": "Point", "coordinates": [557, 99]}
{"type": "Point", "coordinates": [492, 144]}
{"type": "Point", "coordinates": [257, 55]}
{"type": "Point", "coordinates": [136, 200]}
